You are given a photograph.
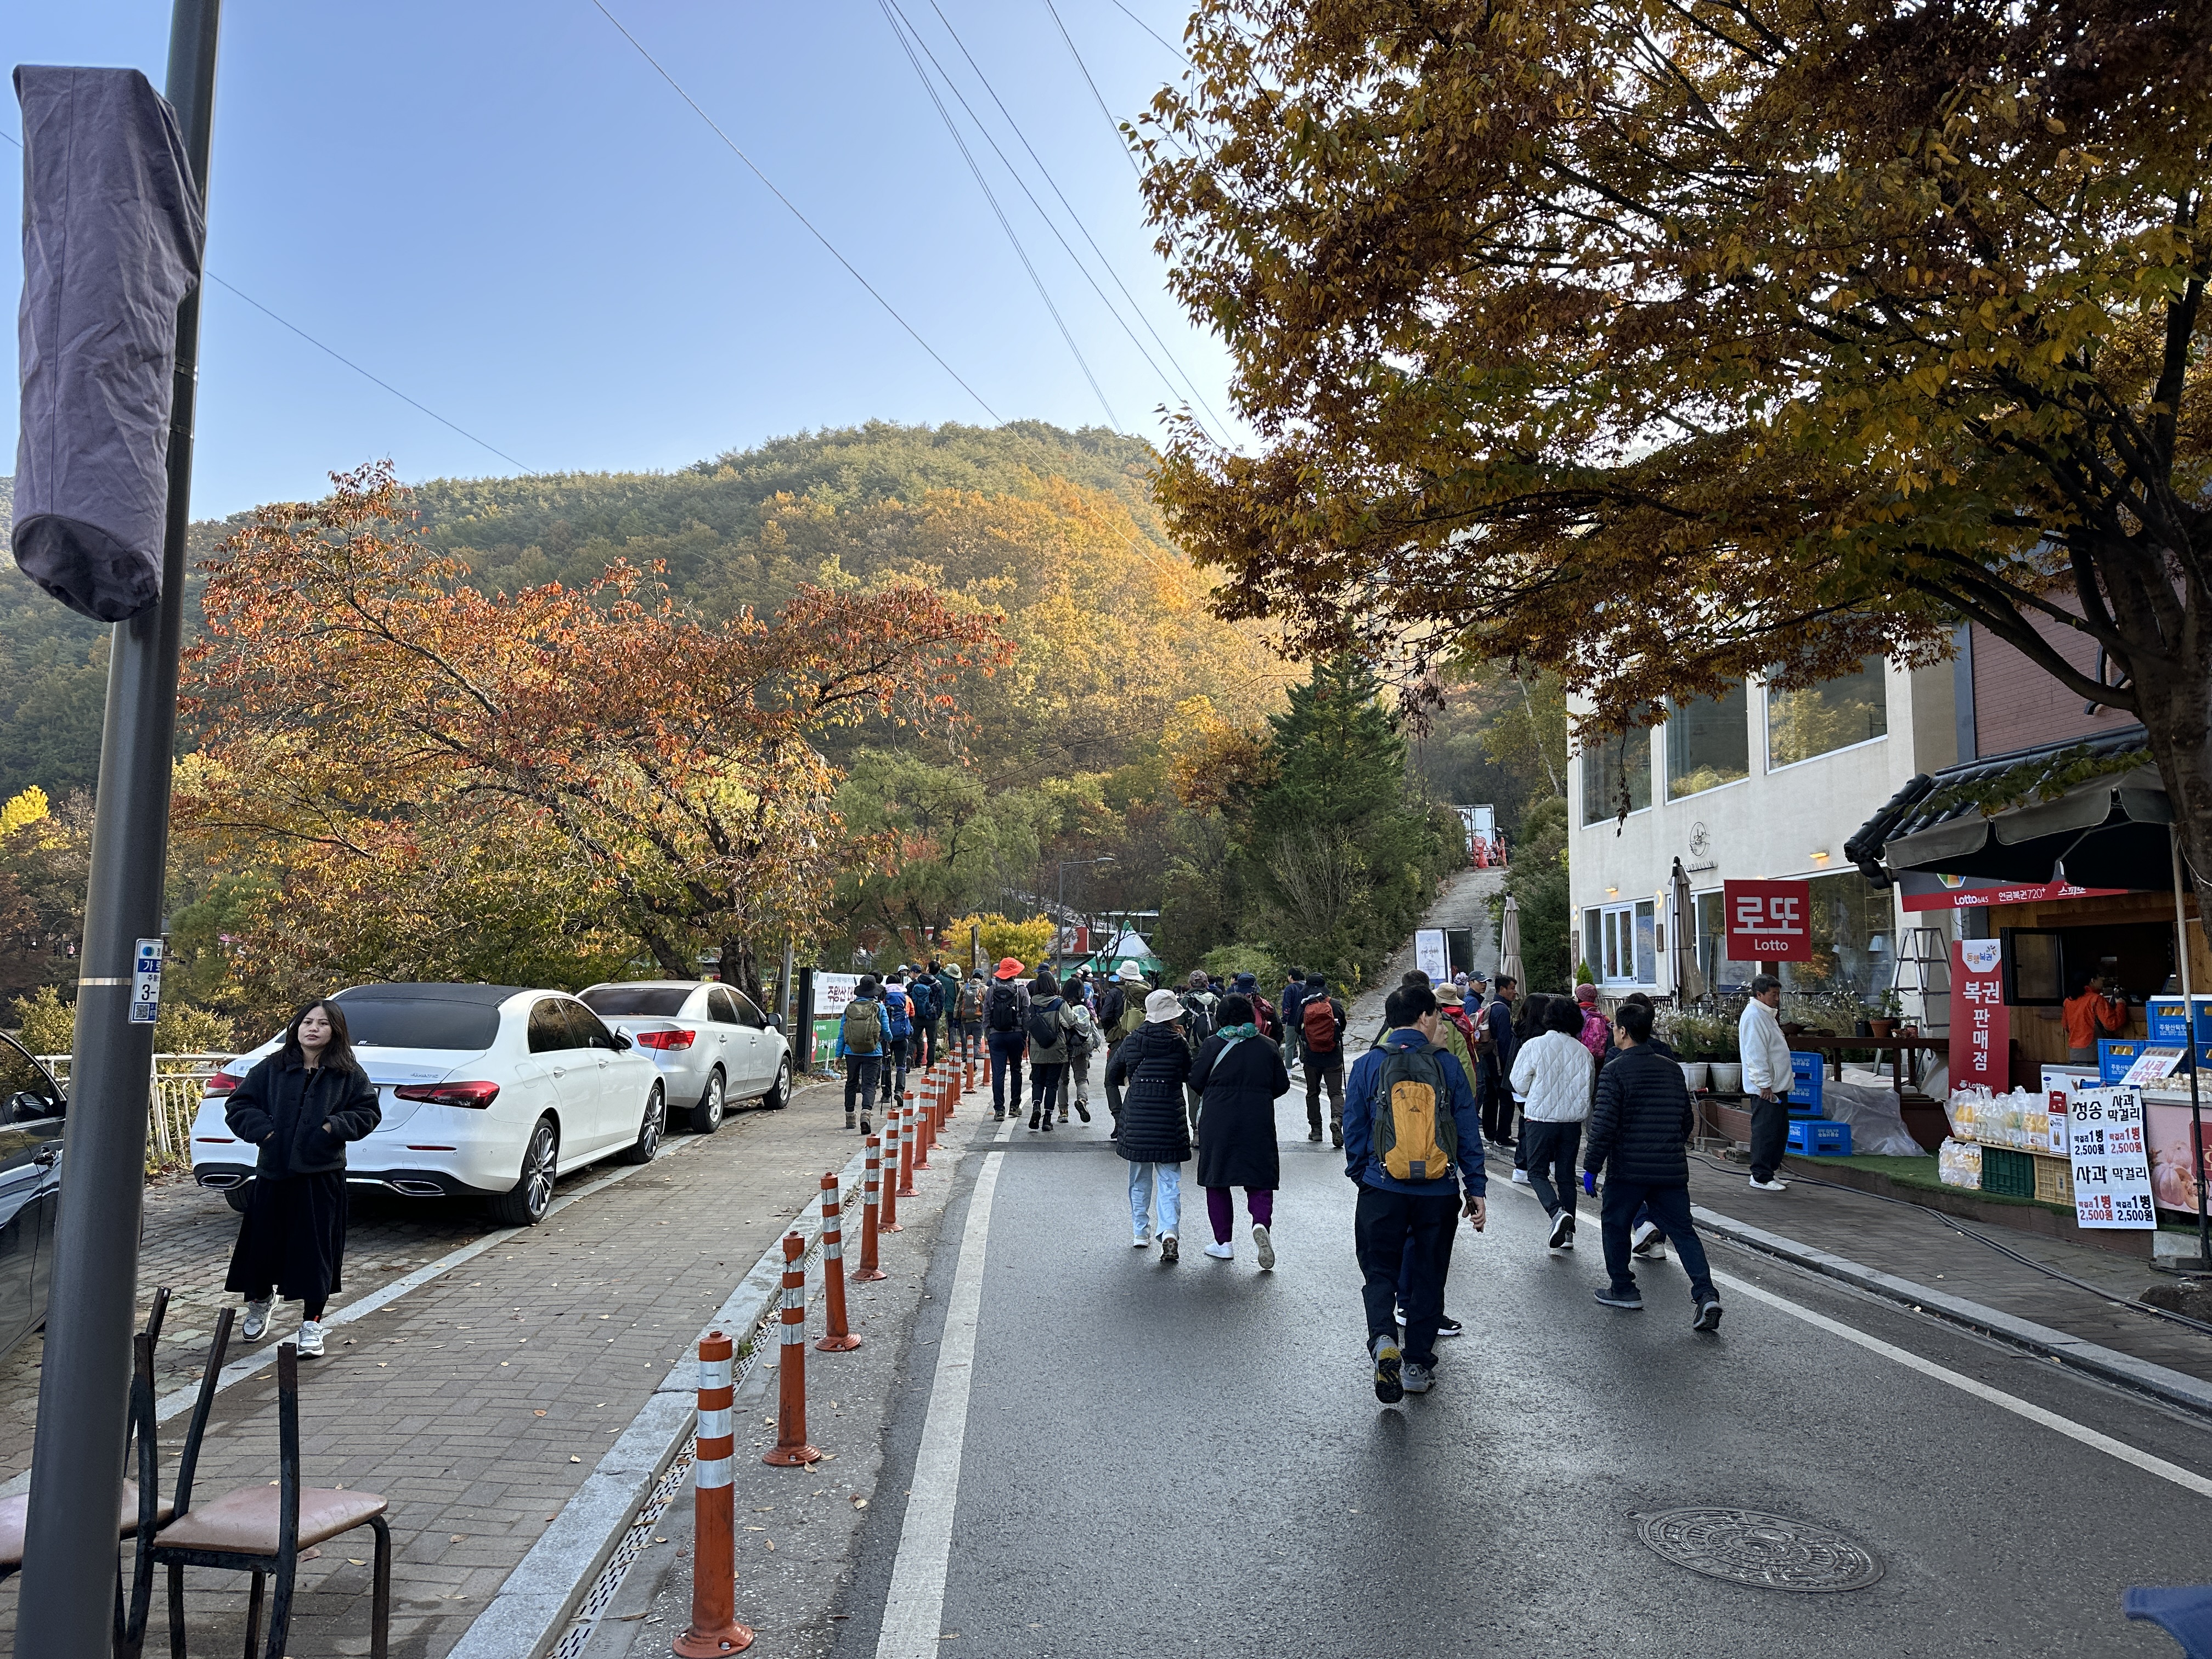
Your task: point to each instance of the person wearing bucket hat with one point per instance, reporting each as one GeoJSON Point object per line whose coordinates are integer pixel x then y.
{"type": "Point", "coordinates": [1153, 1062]}
{"type": "Point", "coordinates": [1005, 1020]}
{"type": "Point", "coordinates": [1121, 1012]}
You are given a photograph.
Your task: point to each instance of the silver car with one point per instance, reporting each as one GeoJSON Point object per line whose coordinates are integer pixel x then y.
{"type": "Point", "coordinates": [711, 1044]}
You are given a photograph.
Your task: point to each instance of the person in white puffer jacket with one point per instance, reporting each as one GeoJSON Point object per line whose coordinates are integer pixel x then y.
{"type": "Point", "coordinates": [1766, 1078]}
{"type": "Point", "coordinates": [1552, 1074]}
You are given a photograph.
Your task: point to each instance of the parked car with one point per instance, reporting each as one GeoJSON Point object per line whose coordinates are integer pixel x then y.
{"type": "Point", "coordinates": [33, 1115]}
{"type": "Point", "coordinates": [712, 1045]}
{"type": "Point", "coordinates": [488, 1091]}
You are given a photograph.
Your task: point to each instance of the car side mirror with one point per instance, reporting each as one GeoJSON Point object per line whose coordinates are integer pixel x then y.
{"type": "Point", "coordinates": [776, 1020]}
{"type": "Point", "coordinates": [621, 1042]}
{"type": "Point", "coordinates": [25, 1107]}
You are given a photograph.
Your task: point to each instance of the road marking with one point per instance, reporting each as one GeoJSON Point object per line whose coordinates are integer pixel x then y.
{"type": "Point", "coordinates": [913, 1611]}
{"type": "Point", "coordinates": [2185, 1479]}
{"type": "Point", "coordinates": [2188, 1480]}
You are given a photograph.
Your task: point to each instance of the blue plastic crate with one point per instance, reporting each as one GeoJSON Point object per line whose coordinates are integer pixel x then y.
{"type": "Point", "coordinates": [1817, 1137]}
{"type": "Point", "coordinates": [2115, 1055]}
{"type": "Point", "coordinates": [1807, 1072]}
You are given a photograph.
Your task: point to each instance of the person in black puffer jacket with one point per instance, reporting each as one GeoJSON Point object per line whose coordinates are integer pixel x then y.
{"type": "Point", "coordinates": [1149, 1066]}
{"type": "Point", "coordinates": [1239, 1075]}
{"type": "Point", "coordinates": [1641, 1123]}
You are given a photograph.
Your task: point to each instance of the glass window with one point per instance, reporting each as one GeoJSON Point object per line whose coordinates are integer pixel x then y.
{"type": "Point", "coordinates": [1608, 766]}
{"type": "Point", "coordinates": [589, 1033]}
{"type": "Point", "coordinates": [1593, 949]}
{"type": "Point", "coordinates": [549, 1030]}
{"type": "Point", "coordinates": [1722, 972]}
{"type": "Point", "coordinates": [617, 1001]}
{"type": "Point", "coordinates": [747, 1014]}
{"type": "Point", "coordinates": [1852, 948]}
{"type": "Point", "coordinates": [1708, 743]}
{"type": "Point", "coordinates": [1621, 943]}
{"type": "Point", "coordinates": [720, 1010]}
{"type": "Point", "coordinates": [1647, 942]}
{"type": "Point", "coordinates": [418, 1023]}
{"type": "Point", "coordinates": [1833, 714]}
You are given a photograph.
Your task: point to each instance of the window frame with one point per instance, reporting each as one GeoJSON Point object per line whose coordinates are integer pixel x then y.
{"type": "Point", "coordinates": [1766, 730]}
{"type": "Point", "coordinates": [1667, 759]}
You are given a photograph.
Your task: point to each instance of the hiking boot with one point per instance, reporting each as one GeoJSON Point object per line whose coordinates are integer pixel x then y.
{"type": "Point", "coordinates": [1063, 1115]}
{"type": "Point", "coordinates": [1171, 1252]}
{"type": "Point", "coordinates": [1389, 1383]}
{"type": "Point", "coordinates": [1709, 1315]}
{"type": "Point", "coordinates": [1033, 1117]}
{"type": "Point", "coordinates": [1632, 1298]}
{"type": "Point", "coordinates": [1221, 1252]}
{"type": "Point", "coordinates": [310, 1339]}
{"type": "Point", "coordinates": [1563, 1227]}
{"type": "Point", "coordinates": [849, 1120]}
{"type": "Point", "coordinates": [1083, 1109]}
{"type": "Point", "coordinates": [1314, 1133]}
{"type": "Point", "coordinates": [257, 1320]}
{"type": "Point", "coordinates": [1047, 1122]}
{"type": "Point", "coordinates": [1644, 1239]}
{"type": "Point", "coordinates": [866, 1129]}
{"type": "Point", "coordinates": [1415, 1377]}
{"type": "Point", "coordinates": [1263, 1241]}
{"type": "Point", "coordinates": [1336, 1134]}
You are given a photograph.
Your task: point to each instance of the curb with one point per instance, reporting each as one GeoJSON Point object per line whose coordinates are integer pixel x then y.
{"type": "Point", "coordinates": [2175, 1388]}
{"type": "Point", "coordinates": [534, 1608]}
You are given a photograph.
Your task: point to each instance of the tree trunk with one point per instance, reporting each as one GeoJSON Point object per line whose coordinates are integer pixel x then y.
{"type": "Point", "coordinates": [741, 969]}
{"type": "Point", "coordinates": [673, 961]}
{"type": "Point", "coordinates": [2175, 701]}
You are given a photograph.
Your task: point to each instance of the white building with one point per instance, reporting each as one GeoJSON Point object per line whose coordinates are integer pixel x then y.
{"type": "Point", "coordinates": [1763, 785]}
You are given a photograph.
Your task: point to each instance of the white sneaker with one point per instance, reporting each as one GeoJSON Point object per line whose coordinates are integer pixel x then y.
{"type": "Point", "coordinates": [1222, 1252]}
{"type": "Point", "coordinates": [311, 1339]}
{"type": "Point", "coordinates": [1142, 1241]}
{"type": "Point", "coordinates": [1643, 1239]}
{"type": "Point", "coordinates": [256, 1320]}
{"type": "Point", "coordinates": [1520, 1177]}
{"type": "Point", "coordinates": [1264, 1243]}
{"type": "Point", "coordinates": [1770, 1186]}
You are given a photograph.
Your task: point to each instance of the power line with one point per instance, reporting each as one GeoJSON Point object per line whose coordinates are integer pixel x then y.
{"type": "Point", "coordinates": [1004, 224]}
{"type": "Point", "coordinates": [1096, 95]}
{"type": "Point", "coordinates": [1149, 30]}
{"type": "Point", "coordinates": [913, 333]}
{"type": "Point", "coordinates": [1165, 350]}
{"type": "Point", "coordinates": [340, 357]}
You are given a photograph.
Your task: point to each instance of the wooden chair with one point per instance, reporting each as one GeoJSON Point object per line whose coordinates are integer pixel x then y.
{"type": "Point", "coordinates": [262, 1530]}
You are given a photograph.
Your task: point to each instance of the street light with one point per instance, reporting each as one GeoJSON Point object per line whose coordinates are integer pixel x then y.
{"type": "Point", "coordinates": [1060, 904]}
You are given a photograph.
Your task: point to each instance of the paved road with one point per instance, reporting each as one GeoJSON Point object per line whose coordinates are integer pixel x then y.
{"type": "Point", "coordinates": [1192, 1460]}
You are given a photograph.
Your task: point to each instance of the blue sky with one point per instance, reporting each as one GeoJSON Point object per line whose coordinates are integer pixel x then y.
{"type": "Point", "coordinates": [502, 209]}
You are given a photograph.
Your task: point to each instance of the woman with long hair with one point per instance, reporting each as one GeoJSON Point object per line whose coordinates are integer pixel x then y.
{"type": "Point", "coordinates": [300, 1106]}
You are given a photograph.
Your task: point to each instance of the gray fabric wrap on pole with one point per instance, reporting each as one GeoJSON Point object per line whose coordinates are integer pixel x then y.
{"type": "Point", "coordinates": [112, 234]}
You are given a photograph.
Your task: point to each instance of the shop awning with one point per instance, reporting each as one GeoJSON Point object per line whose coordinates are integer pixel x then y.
{"type": "Point", "coordinates": [2096, 805]}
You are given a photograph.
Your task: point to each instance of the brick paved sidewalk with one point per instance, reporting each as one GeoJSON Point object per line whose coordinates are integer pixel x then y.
{"type": "Point", "coordinates": [478, 1403]}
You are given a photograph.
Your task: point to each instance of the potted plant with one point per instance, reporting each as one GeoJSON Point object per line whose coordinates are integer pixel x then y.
{"type": "Point", "coordinates": [1693, 1043]}
{"type": "Point", "coordinates": [1889, 1010]}
{"type": "Point", "coordinates": [1725, 1069]}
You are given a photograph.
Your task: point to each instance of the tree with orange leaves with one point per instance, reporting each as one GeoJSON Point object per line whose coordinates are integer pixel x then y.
{"type": "Point", "coordinates": [367, 714]}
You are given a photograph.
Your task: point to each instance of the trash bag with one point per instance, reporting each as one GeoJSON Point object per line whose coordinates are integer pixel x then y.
{"type": "Point", "coordinates": [113, 231]}
{"type": "Point", "coordinates": [1876, 1128]}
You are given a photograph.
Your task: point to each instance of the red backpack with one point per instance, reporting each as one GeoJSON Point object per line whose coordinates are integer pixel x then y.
{"type": "Point", "coordinates": [1317, 1020]}
{"type": "Point", "coordinates": [1263, 1012]}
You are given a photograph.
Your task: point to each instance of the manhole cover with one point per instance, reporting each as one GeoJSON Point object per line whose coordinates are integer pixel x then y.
{"type": "Point", "coordinates": [1748, 1547]}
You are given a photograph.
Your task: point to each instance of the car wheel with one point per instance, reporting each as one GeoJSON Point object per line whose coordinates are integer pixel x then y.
{"type": "Point", "coordinates": [779, 1096]}
{"type": "Point", "coordinates": [641, 1150]}
{"type": "Point", "coordinates": [532, 1195]}
{"type": "Point", "coordinates": [706, 1116]}
{"type": "Point", "coordinates": [240, 1196]}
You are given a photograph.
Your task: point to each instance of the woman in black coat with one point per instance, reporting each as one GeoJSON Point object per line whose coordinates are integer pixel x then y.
{"type": "Point", "coordinates": [1239, 1075]}
{"type": "Point", "coordinates": [300, 1106]}
{"type": "Point", "coordinates": [1150, 1065]}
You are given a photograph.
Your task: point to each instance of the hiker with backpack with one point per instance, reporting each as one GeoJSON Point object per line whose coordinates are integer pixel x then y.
{"type": "Point", "coordinates": [1199, 1002]}
{"type": "Point", "coordinates": [862, 1036]}
{"type": "Point", "coordinates": [1121, 1012]}
{"type": "Point", "coordinates": [898, 1027]}
{"type": "Point", "coordinates": [1498, 1061]}
{"type": "Point", "coordinates": [1047, 1032]}
{"type": "Point", "coordinates": [1239, 1074]}
{"type": "Point", "coordinates": [968, 1018]}
{"type": "Point", "coordinates": [1153, 1135]}
{"type": "Point", "coordinates": [1006, 1019]}
{"type": "Point", "coordinates": [1320, 1038]}
{"type": "Point", "coordinates": [1641, 1122]}
{"type": "Point", "coordinates": [921, 990]}
{"type": "Point", "coordinates": [1413, 1132]}
{"type": "Point", "coordinates": [1081, 1040]}
{"type": "Point", "coordinates": [1286, 1010]}
{"type": "Point", "coordinates": [947, 978]}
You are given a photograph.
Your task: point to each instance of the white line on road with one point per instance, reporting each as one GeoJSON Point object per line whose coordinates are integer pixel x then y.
{"type": "Point", "coordinates": [913, 1611]}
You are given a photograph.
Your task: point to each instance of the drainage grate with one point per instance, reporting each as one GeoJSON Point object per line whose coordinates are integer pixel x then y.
{"type": "Point", "coordinates": [1769, 1551]}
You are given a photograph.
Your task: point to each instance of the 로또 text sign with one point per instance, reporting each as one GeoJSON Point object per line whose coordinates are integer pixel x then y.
{"type": "Point", "coordinates": [2111, 1163]}
{"type": "Point", "coordinates": [1768, 920]}
{"type": "Point", "coordinates": [1981, 1025]}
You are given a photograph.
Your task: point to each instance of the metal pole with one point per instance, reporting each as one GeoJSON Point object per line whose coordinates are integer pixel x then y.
{"type": "Point", "coordinates": [1059, 910]}
{"type": "Point", "coordinates": [786, 993]}
{"type": "Point", "coordinates": [2189, 1045]}
{"type": "Point", "coordinates": [69, 1565]}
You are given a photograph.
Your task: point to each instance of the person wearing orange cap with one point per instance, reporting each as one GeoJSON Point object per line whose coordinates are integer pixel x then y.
{"type": "Point", "coordinates": [1006, 1019]}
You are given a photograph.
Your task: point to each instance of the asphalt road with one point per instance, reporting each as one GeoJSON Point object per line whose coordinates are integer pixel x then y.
{"type": "Point", "coordinates": [1191, 1459]}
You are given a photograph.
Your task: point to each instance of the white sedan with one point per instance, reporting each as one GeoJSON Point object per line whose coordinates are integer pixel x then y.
{"type": "Point", "coordinates": [712, 1045]}
{"type": "Point", "coordinates": [487, 1091]}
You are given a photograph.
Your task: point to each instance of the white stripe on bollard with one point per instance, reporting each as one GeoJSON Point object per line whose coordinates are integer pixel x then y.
{"type": "Point", "coordinates": [709, 1472]}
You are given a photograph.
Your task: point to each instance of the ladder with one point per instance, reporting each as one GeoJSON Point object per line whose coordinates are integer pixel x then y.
{"type": "Point", "coordinates": [1922, 980]}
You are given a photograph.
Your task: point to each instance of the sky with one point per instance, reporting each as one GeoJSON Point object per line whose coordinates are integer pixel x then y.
{"type": "Point", "coordinates": [504, 211]}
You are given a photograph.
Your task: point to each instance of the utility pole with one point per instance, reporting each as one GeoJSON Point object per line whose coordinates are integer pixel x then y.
{"type": "Point", "coordinates": [1060, 906]}
{"type": "Point", "coordinates": [67, 1600]}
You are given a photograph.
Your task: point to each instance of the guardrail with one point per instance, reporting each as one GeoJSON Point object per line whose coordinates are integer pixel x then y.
{"type": "Point", "coordinates": [172, 1097]}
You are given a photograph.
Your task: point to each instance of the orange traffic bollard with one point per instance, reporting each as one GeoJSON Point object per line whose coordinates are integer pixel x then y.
{"type": "Point", "coordinates": [791, 1450]}
{"type": "Point", "coordinates": [870, 1185]}
{"type": "Point", "coordinates": [968, 1087]}
{"type": "Point", "coordinates": [714, 1627]}
{"type": "Point", "coordinates": [906, 1154]}
{"type": "Point", "coordinates": [890, 1223]}
{"type": "Point", "coordinates": [924, 1133]}
{"type": "Point", "coordinates": [837, 1337]}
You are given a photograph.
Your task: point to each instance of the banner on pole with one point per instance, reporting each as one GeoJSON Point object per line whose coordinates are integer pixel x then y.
{"type": "Point", "coordinates": [1981, 1025]}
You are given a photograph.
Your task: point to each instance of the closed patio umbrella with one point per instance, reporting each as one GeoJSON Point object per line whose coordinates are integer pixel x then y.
{"type": "Point", "coordinates": [1689, 980]}
{"type": "Point", "coordinates": [1509, 940]}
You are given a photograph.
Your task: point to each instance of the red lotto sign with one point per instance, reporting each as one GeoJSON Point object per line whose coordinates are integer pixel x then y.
{"type": "Point", "coordinates": [1981, 1025]}
{"type": "Point", "coordinates": [1767, 921]}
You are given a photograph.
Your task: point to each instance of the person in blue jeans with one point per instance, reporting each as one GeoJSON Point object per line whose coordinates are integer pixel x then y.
{"type": "Point", "coordinates": [1637, 1131]}
{"type": "Point", "coordinates": [1405, 1224]}
{"type": "Point", "coordinates": [1005, 1021]}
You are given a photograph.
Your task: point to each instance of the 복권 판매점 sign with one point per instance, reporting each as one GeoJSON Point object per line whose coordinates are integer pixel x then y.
{"type": "Point", "coordinates": [1768, 920]}
{"type": "Point", "coordinates": [2111, 1160]}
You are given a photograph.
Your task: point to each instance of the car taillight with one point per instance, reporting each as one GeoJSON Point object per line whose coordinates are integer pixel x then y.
{"type": "Point", "coordinates": [450, 1094]}
{"type": "Point", "coordinates": [222, 1083]}
{"type": "Point", "coordinates": [665, 1039]}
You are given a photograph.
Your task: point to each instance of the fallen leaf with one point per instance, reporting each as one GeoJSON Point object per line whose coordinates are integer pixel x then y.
{"type": "Point", "coordinates": [537, 1413]}
{"type": "Point", "coordinates": [859, 1503]}
{"type": "Point", "coordinates": [575, 1460]}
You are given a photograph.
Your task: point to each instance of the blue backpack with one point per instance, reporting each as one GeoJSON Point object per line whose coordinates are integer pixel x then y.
{"type": "Point", "coordinates": [895, 1004]}
{"type": "Point", "coordinates": [925, 1000]}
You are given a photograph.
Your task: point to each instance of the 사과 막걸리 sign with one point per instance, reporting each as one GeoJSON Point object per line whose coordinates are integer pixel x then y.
{"type": "Point", "coordinates": [2104, 1134]}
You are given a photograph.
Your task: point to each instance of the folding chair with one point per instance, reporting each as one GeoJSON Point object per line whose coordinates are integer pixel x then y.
{"type": "Point", "coordinates": [262, 1530]}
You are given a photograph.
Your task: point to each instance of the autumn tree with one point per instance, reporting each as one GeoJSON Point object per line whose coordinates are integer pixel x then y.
{"type": "Point", "coordinates": [589, 757]}
{"type": "Point", "coordinates": [1662, 344]}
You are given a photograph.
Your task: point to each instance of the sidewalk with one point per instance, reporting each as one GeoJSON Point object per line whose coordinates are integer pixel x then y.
{"type": "Point", "coordinates": [584, 1315]}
